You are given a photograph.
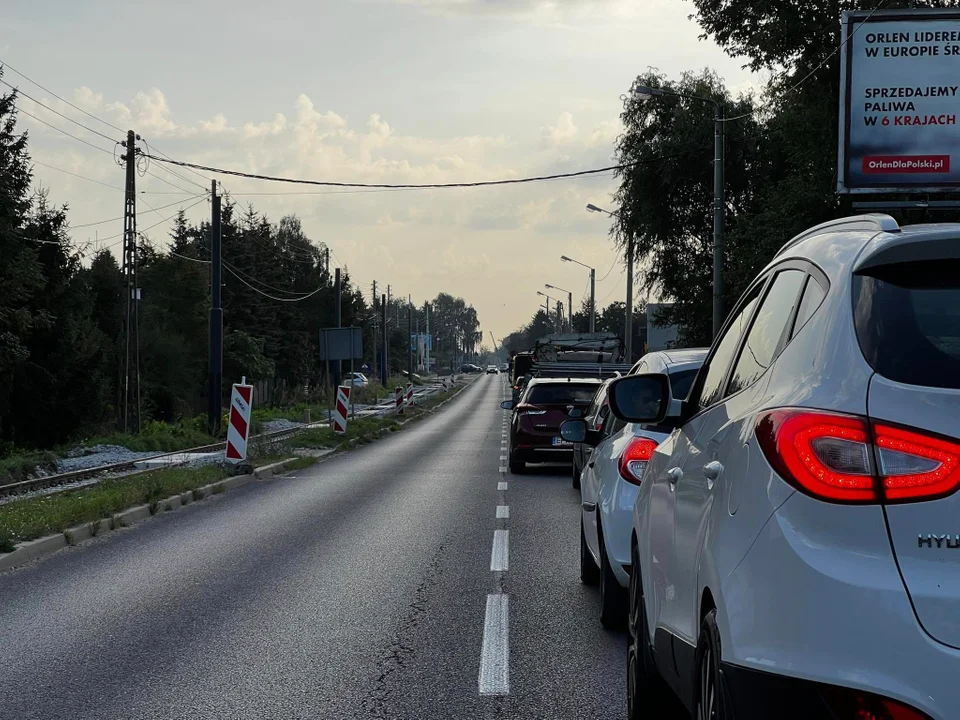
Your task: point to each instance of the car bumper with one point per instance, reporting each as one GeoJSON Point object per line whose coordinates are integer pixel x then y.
{"type": "Point", "coordinates": [544, 454]}
{"type": "Point", "coordinates": [818, 598]}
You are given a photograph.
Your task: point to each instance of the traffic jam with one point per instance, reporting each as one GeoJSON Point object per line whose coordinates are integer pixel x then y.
{"type": "Point", "coordinates": [772, 519]}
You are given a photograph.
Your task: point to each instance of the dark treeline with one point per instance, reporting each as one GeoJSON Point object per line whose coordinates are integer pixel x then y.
{"type": "Point", "coordinates": [62, 311]}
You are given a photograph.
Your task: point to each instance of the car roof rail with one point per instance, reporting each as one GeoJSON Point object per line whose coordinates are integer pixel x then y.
{"type": "Point", "coordinates": [879, 222]}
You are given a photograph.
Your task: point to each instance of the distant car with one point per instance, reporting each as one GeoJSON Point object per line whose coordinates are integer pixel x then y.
{"type": "Point", "coordinates": [492, 370]}
{"type": "Point", "coordinates": [359, 380]}
{"type": "Point", "coordinates": [610, 480]}
{"type": "Point", "coordinates": [535, 423]}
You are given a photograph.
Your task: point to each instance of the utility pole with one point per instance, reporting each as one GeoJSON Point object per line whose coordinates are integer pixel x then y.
{"type": "Point", "coordinates": [215, 350]}
{"type": "Point", "coordinates": [593, 300]}
{"type": "Point", "coordinates": [410, 335]}
{"type": "Point", "coordinates": [385, 365]}
{"type": "Point", "coordinates": [718, 219]}
{"type": "Point", "coordinates": [628, 321]}
{"type": "Point", "coordinates": [559, 316]}
{"type": "Point", "coordinates": [375, 317]}
{"type": "Point", "coordinates": [426, 341]}
{"type": "Point", "coordinates": [130, 408]}
{"type": "Point", "coordinates": [337, 367]}
{"type": "Point", "coordinates": [326, 262]}
{"type": "Point", "coordinates": [570, 312]}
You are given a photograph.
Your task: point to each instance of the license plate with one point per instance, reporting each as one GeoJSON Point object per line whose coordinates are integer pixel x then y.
{"type": "Point", "coordinates": [559, 441]}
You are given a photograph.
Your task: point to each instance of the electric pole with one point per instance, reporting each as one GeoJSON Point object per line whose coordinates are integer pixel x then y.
{"type": "Point", "coordinates": [426, 341]}
{"type": "Point", "coordinates": [375, 316]}
{"type": "Point", "coordinates": [215, 360]}
{"type": "Point", "coordinates": [130, 419]}
{"type": "Point", "coordinates": [593, 300]}
{"type": "Point", "coordinates": [336, 294]}
{"type": "Point", "coordinates": [410, 337]}
{"type": "Point", "coordinates": [628, 320]}
{"type": "Point", "coordinates": [385, 365]}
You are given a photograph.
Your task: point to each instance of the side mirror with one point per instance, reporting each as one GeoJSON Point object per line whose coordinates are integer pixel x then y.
{"type": "Point", "coordinates": [575, 412]}
{"type": "Point", "coordinates": [640, 398]}
{"type": "Point", "coordinates": [574, 431]}
{"type": "Point", "coordinates": [506, 405]}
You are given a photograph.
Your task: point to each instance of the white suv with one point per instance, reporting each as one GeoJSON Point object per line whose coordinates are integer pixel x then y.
{"type": "Point", "coordinates": [615, 457]}
{"type": "Point", "coordinates": [794, 550]}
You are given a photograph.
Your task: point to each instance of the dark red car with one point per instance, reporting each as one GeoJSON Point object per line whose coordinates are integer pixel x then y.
{"type": "Point", "coordinates": [535, 425]}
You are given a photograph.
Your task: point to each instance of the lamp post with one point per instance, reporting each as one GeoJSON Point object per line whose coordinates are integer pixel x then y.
{"type": "Point", "coordinates": [547, 303]}
{"type": "Point", "coordinates": [643, 94]}
{"type": "Point", "coordinates": [593, 290]}
{"type": "Point", "coordinates": [548, 286]}
{"type": "Point", "coordinates": [628, 320]}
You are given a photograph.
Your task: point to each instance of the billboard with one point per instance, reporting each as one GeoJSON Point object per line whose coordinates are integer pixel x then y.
{"type": "Point", "coordinates": [899, 102]}
{"type": "Point", "coordinates": [341, 343]}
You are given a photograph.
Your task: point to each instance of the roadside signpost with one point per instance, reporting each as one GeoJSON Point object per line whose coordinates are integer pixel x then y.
{"type": "Point", "coordinates": [399, 396]}
{"type": "Point", "coordinates": [899, 103]}
{"type": "Point", "coordinates": [238, 431]}
{"type": "Point", "coordinates": [340, 414]}
{"type": "Point", "coordinates": [410, 394]}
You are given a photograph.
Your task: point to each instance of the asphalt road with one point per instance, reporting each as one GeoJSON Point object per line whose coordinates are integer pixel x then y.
{"type": "Point", "coordinates": [359, 588]}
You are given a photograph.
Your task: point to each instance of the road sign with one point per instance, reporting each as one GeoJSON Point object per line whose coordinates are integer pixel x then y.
{"type": "Point", "coordinates": [241, 401]}
{"type": "Point", "coordinates": [341, 343]}
{"type": "Point", "coordinates": [899, 102]}
{"type": "Point", "coordinates": [340, 414]}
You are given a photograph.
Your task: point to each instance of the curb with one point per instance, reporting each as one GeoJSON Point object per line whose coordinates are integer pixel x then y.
{"type": "Point", "coordinates": [35, 549]}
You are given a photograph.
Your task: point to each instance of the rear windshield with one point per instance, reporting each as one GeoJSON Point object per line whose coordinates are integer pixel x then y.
{"type": "Point", "coordinates": [681, 382]}
{"type": "Point", "coordinates": [908, 321]}
{"type": "Point", "coordinates": [567, 392]}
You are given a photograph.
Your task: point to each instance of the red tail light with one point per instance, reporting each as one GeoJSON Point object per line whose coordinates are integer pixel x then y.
{"type": "Point", "coordinates": [634, 459]}
{"type": "Point", "coordinates": [842, 458]}
{"type": "Point", "coordinates": [858, 705]}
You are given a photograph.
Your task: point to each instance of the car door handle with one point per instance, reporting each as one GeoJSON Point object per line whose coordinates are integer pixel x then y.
{"type": "Point", "coordinates": [712, 471]}
{"type": "Point", "coordinates": [673, 475]}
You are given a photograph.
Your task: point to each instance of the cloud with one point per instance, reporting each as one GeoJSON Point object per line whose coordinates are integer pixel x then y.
{"type": "Point", "coordinates": [560, 134]}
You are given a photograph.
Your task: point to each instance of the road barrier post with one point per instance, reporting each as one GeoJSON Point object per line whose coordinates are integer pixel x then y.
{"type": "Point", "coordinates": [399, 400]}
{"type": "Point", "coordinates": [410, 394]}
{"type": "Point", "coordinates": [238, 431]}
{"type": "Point", "coordinates": [340, 414]}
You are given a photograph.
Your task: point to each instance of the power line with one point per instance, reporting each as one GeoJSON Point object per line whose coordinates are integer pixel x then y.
{"type": "Point", "coordinates": [202, 177]}
{"type": "Point", "coordinates": [55, 112]}
{"type": "Point", "coordinates": [168, 219]}
{"type": "Point", "coordinates": [186, 257]}
{"type": "Point", "coordinates": [81, 177]}
{"type": "Point", "coordinates": [164, 180]}
{"type": "Point", "coordinates": [61, 130]}
{"type": "Point", "coordinates": [434, 186]}
{"type": "Point", "coordinates": [174, 173]}
{"type": "Point", "coordinates": [612, 265]}
{"type": "Point", "coordinates": [266, 284]}
{"type": "Point", "coordinates": [89, 114]}
{"type": "Point", "coordinates": [806, 77]}
{"type": "Point", "coordinates": [267, 295]}
{"type": "Point", "coordinates": [613, 289]}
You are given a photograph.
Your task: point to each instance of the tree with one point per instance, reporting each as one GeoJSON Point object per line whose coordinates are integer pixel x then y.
{"type": "Point", "coordinates": [666, 188]}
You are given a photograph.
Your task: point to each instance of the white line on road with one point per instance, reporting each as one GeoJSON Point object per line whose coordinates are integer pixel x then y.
{"type": "Point", "coordinates": [500, 554]}
{"type": "Point", "coordinates": [501, 485]}
{"type": "Point", "coordinates": [503, 512]}
{"type": "Point", "coordinates": [495, 652]}
{"type": "Point", "coordinates": [503, 470]}
{"type": "Point", "coordinates": [503, 457]}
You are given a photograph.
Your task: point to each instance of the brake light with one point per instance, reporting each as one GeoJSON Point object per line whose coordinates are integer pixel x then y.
{"type": "Point", "coordinates": [842, 458]}
{"type": "Point", "coordinates": [634, 459]}
{"type": "Point", "coordinates": [856, 705]}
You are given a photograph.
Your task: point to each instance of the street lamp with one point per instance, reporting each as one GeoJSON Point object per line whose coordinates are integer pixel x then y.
{"type": "Point", "coordinates": [628, 320]}
{"type": "Point", "coordinates": [593, 290]}
{"type": "Point", "coordinates": [548, 286]}
{"type": "Point", "coordinates": [643, 93]}
{"type": "Point", "coordinates": [547, 304]}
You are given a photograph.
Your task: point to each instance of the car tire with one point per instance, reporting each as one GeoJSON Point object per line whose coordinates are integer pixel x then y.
{"type": "Point", "coordinates": [575, 476]}
{"type": "Point", "coordinates": [709, 700]}
{"type": "Point", "coordinates": [613, 597]}
{"type": "Point", "coordinates": [589, 572]}
{"type": "Point", "coordinates": [648, 696]}
{"type": "Point", "coordinates": [517, 467]}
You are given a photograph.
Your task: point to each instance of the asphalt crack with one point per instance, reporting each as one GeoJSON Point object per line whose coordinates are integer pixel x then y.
{"type": "Point", "coordinates": [401, 648]}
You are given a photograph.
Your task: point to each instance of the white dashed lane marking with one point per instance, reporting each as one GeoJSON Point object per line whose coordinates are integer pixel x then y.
{"type": "Point", "coordinates": [503, 512]}
{"type": "Point", "coordinates": [495, 652]}
{"type": "Point", "coordinates": [500, 554]}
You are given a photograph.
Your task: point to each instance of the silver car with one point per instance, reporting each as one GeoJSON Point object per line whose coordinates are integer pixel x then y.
{"type": "Point", "coordinates": [795, 541]}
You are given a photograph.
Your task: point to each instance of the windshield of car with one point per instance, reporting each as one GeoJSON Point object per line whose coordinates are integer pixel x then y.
{"type": "Point", "coordinates": [907, 318]}
{"type": "Point", "coordinates": [560, 393]}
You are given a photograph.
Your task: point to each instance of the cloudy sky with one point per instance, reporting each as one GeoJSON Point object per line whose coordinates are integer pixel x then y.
{"type": "Point", "coordinates": [371, 91]}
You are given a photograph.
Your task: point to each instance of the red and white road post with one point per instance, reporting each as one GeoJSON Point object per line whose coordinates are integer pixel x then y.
{"type": "Point", "coordinates": [342, 410]}
{"type": "Point", "coordinates": [399, 400]}
{"type": "Point", "coordinates": [409, 394]}
{"type": "Point", "coordinates": [238, 431]}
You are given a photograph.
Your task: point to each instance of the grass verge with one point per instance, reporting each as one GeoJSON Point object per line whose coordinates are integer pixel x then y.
{"type": "Point", "coordinates": [36, 517]}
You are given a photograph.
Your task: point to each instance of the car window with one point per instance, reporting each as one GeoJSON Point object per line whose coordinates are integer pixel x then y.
{"type": "Point", "coordinates": [640, 367]}
{"type": "Point", "coordinates": [681, 382]}
{"type": "Point", "coordinates": [813, 295]}
{"type": "Point", "coordinates": [560, 393]}
{"type": "Point", "coordinates": [907, 318]}
{"type": "Point", "coordinates": [710, 391]}
{"type": "Point", "coordinates": [761, 344]}
{"type": "Point", "coordinates": [613, 426]}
